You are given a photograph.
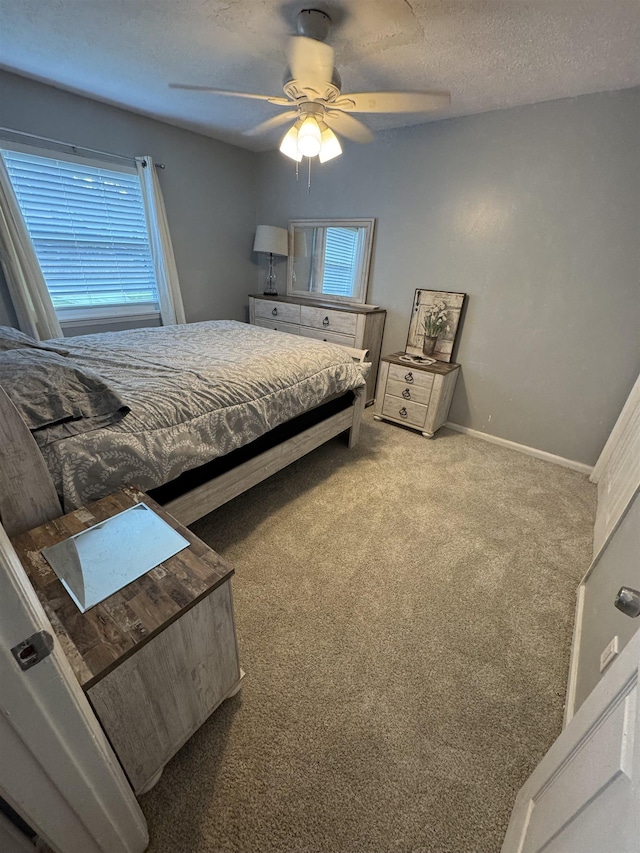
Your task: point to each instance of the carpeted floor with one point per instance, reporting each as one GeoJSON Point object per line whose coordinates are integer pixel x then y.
{"type": "Point", "coordinates": [404, 613]}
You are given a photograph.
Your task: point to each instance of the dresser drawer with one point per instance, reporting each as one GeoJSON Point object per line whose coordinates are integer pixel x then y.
{"type": "Point", "coordinates": [283, 312]}
{"type": "Point", "coordinates": [413, 414]}
{"type": "Point", "coordinates": [406, 391]}
{"type": "Point", "coordinates": [331, 337]}
{"type": "Point", "coordinates": [278, 327]}
{"type": "Point", "coordinates": [410, 376]}
{"type": "Point", "coordinates": [328, 320]}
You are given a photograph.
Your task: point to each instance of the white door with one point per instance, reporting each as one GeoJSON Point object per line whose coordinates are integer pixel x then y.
{"type": "Point", "coordinates": [617, 471]}
{"type": "Point", "coordinates": [57, 769]}
{"type": "Point", "coordinates": [584, 796]}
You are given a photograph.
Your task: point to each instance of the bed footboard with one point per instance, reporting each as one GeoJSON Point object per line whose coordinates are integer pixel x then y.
{"type": "Point", "coordinates": [358, 409]}
{"type": "Point", "coordinates": [203, 499]}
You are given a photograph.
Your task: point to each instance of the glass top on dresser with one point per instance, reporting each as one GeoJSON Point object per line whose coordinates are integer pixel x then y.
{"type": "Point", "coordinates": [99, 561]}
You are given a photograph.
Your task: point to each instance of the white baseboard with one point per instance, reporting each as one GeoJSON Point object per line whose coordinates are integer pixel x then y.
{"type": "Point", "coordinates": [523, 448]}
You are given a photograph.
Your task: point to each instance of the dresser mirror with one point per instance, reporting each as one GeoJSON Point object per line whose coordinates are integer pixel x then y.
{"type": "Point", "coordinates": [329, 259]}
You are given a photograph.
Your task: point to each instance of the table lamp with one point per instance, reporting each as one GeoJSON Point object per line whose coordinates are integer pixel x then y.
{"type": "Point", "coordinates": [272, 241]}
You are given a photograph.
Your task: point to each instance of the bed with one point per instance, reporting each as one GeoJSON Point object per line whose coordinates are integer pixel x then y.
{"type": "Point", "coordinates": [204, 412]}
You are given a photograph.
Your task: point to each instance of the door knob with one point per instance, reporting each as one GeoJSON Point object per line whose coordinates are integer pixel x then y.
{"type": "Point", "coordinates": [628, 600]}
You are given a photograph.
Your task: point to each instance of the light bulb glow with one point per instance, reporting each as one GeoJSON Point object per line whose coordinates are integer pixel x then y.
{"type": "Point", "coordinates": [289, 144]}
{"type": "Point", "coordinates": [309, 137]}
{"type": "Point", "coordinates": [330, 146]}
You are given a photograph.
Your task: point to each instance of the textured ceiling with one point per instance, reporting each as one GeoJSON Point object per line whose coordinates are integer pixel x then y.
{"type": "Point", "coordinates": [490, 54]}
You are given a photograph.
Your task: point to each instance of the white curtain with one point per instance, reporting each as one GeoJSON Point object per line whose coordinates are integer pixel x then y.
{"type": "Point", "coordinates": [171, 307]}
{"type": "Point", "coordinates": [27, 289]}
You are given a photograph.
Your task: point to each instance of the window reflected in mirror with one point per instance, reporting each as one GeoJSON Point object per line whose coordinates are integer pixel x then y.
{"type": "Point", "coordinates": [330, 259]}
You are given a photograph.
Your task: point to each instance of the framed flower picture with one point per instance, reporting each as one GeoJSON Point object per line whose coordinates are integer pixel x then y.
{"type": "Point", "coordinates": [433, 327]}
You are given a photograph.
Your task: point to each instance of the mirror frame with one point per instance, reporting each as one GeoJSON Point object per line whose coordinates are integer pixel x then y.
{"type": "Point", "coordinates": [361, 284]}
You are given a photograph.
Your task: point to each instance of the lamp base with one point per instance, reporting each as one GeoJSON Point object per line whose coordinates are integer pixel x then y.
{"type": "Point", "coordinates": [270, 288]}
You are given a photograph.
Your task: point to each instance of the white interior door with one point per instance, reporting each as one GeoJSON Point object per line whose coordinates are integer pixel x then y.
{"type": "Point", "coordinates": [57, 769]}
{"type": "Point", "coordinates": [617, 471]}
{"type": "Point", "coordinates": [584, 796]}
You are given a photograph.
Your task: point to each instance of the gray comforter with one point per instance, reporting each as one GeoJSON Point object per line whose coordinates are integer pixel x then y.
{"type": "Point", "coordinates": [195, 392]}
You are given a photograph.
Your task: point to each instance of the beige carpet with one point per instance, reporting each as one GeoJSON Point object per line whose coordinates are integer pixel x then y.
{"type": "Point", "coordinates": [404, 613]}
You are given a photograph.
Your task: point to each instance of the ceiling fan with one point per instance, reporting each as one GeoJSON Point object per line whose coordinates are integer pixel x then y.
{"type": "Point", "coordinates": [312, 86]}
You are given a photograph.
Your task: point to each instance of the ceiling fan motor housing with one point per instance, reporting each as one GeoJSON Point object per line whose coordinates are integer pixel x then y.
{"type": "Point", "coordinates": [293, 90]}
{"type": "Point", "coordinates": [313, 24]}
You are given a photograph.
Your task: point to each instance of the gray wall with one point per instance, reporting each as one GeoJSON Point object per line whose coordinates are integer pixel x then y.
{"type": "Point", "coordinates": [535, 213]}
{"type": "Point", "coordinates": [208, 188]}
{"type": "Point", "coordinates": [619, 565]}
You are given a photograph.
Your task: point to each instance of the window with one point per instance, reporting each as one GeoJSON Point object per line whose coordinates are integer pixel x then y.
{"type": "Point", "coordinates": [340, 254]}
{"type": "Point", "coordinates": [88, 228]}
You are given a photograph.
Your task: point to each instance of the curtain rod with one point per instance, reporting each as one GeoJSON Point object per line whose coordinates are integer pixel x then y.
{"type": "Point", "coordinates": [74, 148]}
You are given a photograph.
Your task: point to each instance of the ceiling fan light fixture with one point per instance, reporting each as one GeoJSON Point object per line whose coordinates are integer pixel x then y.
{"type": "Point", "coordinates": [313, 96]}
{"type": "Point", "coordinates": [309, 137]}
{"type": "Point", "coordinates": [289, 144]}
{"type": "Point", "coordinates": [330, 146]}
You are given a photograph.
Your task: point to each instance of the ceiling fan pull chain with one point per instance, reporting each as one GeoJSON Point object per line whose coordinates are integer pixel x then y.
{"type": "Point", "coordinates": [309, 179]}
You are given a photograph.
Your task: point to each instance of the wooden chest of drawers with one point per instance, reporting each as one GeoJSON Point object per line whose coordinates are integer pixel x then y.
{"type": "Point", "coordinates": [417, 396]}
{"type": "Point", "coordinates": [155, 658]}
{"type": "Point", "coordinates": [356, 326]}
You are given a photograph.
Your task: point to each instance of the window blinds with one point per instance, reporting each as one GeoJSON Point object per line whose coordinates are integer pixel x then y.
{"type": "Point", "coordinates": [88, 229]}
{"type": "Point", "coordinates": [340, 254]}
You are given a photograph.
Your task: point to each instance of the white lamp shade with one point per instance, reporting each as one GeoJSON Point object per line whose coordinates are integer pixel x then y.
{"type": "Point", "coordinates": [289, 144]}
{"type": "Point", "coordinates": [272, 240]}
{"type": "Point", "coordinates": [330, 147]}
{"type": "Point", "coordinates": [309, 137]}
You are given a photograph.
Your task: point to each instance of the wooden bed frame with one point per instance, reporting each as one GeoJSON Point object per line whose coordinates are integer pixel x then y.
{"type": "Point", "coordinates": [28, 497]}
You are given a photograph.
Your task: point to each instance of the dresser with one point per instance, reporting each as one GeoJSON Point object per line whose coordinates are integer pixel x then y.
{"type": "Point", "coordinates": [357, 326]}
{"type": "Point", "coordinates": [417, 396]}
{"type": "Point", "coordinates": [155, 658]}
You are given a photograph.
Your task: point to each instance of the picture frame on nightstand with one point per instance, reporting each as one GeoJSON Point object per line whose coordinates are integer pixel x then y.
{"type": "Point", "coordinates": [424, 301]}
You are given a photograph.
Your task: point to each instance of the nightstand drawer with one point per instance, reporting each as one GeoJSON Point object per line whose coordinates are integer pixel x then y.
{"type": "Point", "coordinates": [331, 321]}
{"type": "Point", "coordinates": [283, 312]}
{"type": "Point", "coordinates": [278, 327]}
{"type": "Point", "coordinates": [411, 376]}
{"type": "Point", "coordinates": [406, 391]}
{"type": "Point", "coordinates": [330, 337]}
{"type": "Point", "coordinates": [413, 414]}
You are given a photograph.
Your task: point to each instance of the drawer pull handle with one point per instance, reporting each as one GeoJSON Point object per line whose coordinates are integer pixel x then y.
{"type": "Point", "coordinates": [409, 377]}
{"type": "Point", "coordinates": [406, 394]}
{"type": "Point", "coordinates": [325, 322]}
{"type": "Point", "coordinates": [403, 412]}
{"type": "Point", "coordinates": [274, 312]}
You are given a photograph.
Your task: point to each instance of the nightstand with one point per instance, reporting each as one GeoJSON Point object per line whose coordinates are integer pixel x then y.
{"type": "Point", "coordinates": [415, 395]}
{"type": "Point", "coordinates": [156, 658]}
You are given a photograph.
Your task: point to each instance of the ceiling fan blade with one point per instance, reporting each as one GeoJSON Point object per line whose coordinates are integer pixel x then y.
{"type": "Point", "coordinates": [310, 62]}
{"type": "Point", "coordinates": [272, 123]}
{"type": "Point", "coordinates": [280, 102]}
{"type": "Point", "coordinates": [348, 126]}
{"type": "Point", "coordinates": [392, 102]}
